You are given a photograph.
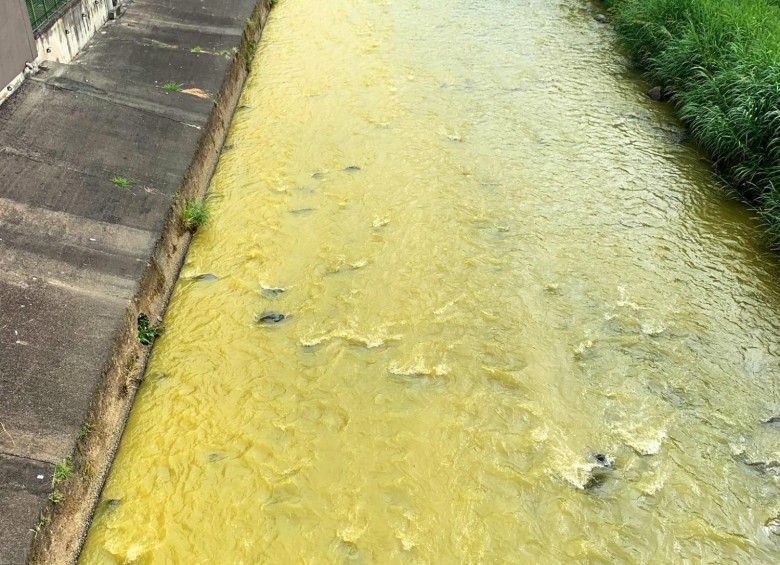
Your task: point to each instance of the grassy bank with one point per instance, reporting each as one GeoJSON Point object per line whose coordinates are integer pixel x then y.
{"type": "Point", "coordinates": [719, 60]}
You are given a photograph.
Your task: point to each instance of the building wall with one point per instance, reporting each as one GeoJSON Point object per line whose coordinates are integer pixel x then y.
{"type": "Point", "coordinates": [17, 46]}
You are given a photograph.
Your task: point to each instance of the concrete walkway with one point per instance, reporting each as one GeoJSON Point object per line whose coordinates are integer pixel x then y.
{"type": "Point", "coordinates": [74, 245]}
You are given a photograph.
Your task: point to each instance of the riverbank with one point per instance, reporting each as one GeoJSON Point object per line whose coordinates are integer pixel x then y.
{"type": "Point", "coordinates": [719, 63]}
{"type": "Point", "coordinates": [99, 157]}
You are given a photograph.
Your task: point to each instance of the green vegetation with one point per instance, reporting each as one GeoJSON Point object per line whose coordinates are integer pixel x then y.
{"type": "Point", "coordinates": [147, 332]}
{"type": "Point", "coordinates": [56, 497]}
{"type": "Point", "coordinates": [43, 521]}
{"type": "Point", "coordinates": [173, 87]}
{"type": "Point", "coordinates": [719, 61]}
{"type": "Point", "coordinates": [62, 471]}
{"type": "Point", "coordinates": [194, 215]}
{"type": "Point", "coordinates": [197, 49]}
{"type": "Point", "coordinates": [273, 3]}
{"type": "Point", "coordinates": [86, 429]}
{"type": "Point", "coordinates": [121, 181]}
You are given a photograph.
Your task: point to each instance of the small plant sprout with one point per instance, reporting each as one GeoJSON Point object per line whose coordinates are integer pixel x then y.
{"type": "Point", "coordinates": [197, 49]}
{"type": "Point", "coordinates": [121, 181]}
{"type": "Point", "coordinates": [173, 87]}
{"type": "Point", "coordinates": [86, 428]}
{"type": "Point", "coordinates": [61, 472]}
{"type": "Point", "coordinates": [43, 521]}
{"type": "Point", "coordinates": [194, 215]}
{"type": "Point", "coordinates": [56, 497]}
{"type": "Point", "coordinates": [147, 332]}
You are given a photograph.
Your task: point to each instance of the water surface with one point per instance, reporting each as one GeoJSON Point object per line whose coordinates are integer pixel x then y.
{"type": "Point", "coordinates": [497, 261]}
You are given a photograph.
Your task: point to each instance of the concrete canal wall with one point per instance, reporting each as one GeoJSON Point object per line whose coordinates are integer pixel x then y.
{"type": "Point", "coordinates": [81, 256]}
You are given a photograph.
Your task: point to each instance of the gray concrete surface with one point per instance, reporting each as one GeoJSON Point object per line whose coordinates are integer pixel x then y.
{"type": "Point", "coordinates": [72, 244]}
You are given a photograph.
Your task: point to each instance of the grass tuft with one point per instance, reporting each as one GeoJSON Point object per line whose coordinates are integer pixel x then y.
{"type": "Point", "coordinates": [197, 49]}
{"type": "Point", "coordinates": [62, 471]}
{"type": "Point", "coordinates": [719, 60]}
{"type": "Point", "coordinates": [194, 215]}
{"type": "Point", "coordinates": [147, 332]}
{"type": "Point", "coordinates": [121, 181]}
{"type": "Point", "coordinates": [56, 497]}
{"type": "Point", "coordinates": [173, 87]}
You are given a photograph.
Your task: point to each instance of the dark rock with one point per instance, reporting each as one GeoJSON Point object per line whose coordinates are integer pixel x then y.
{"type": "Point", "coordinates": [604, 460]}
{"type": "Point", "coordinates": [764, 467]}
{"type": "Point", "coordinates": [272, 292]}
{"type": "Point", "coordinates": [601, 18]}
{"type": "Point", "coordinates": [206, 277]}
{"type": "Point", "coordinates": [655, 94]}
{"type": "Point", "coordinates": [773, 525]}
{"type": "Point", "coordinates": [270, 318]}
{"type": "Point", "coordinates": [113, 502]}
{"type": "Point", "coordinates": [318, 175]}
{"type": "Point", "coordinates": [773, 420]}
{"type": "Point", "coordinates": [352, 169]}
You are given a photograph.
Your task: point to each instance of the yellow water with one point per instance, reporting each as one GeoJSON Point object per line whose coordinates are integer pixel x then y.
{"type": "Point", "coordinates": [526, 270]}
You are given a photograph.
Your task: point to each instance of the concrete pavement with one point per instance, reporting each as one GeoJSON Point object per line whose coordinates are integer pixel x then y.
{"type": "Point", "coordinates": [81, 256]}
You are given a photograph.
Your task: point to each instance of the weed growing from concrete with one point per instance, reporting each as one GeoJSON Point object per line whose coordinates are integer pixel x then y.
{"type": "Point", "coordinates": [86, 429]}
{"type": "Point", "coordinates": [62, 471]}
{"type": "Point", "coordinates": [194, 215]}
{"type": "Point", "coordinates": [197, 49]}
{"type": "Point", "coordinates": [173, 87]}
{"type": "Point", "coordinates": [121, 181]}
{"type": "Point", "coordinates": [147, 332]}
{"type": "Point", "coordinates": [43, 521]}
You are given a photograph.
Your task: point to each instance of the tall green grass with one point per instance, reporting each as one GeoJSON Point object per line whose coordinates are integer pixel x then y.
{"type": "Point", "coordinates": [719, 60]}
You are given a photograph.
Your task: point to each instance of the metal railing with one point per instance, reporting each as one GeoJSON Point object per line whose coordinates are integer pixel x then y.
{"type": "Point", "coordinates": [43, 11]}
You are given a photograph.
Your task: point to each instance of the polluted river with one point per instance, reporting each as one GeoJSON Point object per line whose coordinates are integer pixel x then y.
{"type": "Point", "coordinates": [466, 296]}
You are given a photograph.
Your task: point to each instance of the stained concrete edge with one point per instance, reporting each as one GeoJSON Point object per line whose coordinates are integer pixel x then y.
{"type": "Point", "coordinates": [81, 257]}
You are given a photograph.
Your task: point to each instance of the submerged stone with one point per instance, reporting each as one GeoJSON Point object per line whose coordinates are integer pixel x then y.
{"type": "Point", "coordinates": [318, 175]}
{"type": "Point", "coordinates": [601, 18]}
{"type": "Point", "coordinates": [206, 277]}
{"type": "Point", "coordinates": [272, 292]}
{"type": "Point", "coordinates": [773, 525]}
{"type": "Point", "coordinates": [655, 94]}
{"type": "Point", "coordinates": [270, 318]}
{"type": "Point", "coordinates": [764, 467]}
{"type": "Point", "coordinates": [352, 169]}
{"type": "Point", "coordinates": [604, 460]}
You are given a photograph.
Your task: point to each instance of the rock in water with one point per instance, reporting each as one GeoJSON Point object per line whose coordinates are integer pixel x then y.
{"type": "Point", "coordinates": [272, 292]}
{"type": "Point", "coordinates": [206, 277]}
{"type": "Point", "coordinates": [270, 318]}
{"type": "Point", "coordinates": [352, 169]}
{"type": "Point", "coordinates": [604, 460]}
{"type": "Point", "coordinates": [656, 94]}
{"type": "Point", "coordinates": [601, 18]}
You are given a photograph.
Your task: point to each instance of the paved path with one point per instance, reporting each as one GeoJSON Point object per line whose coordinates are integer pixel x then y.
{"type": "Point", "coordinates": [73, 245]}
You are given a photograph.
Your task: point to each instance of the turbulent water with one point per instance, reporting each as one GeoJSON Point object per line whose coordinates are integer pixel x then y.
{"type": "Point", "coordinates": [523, 323]}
